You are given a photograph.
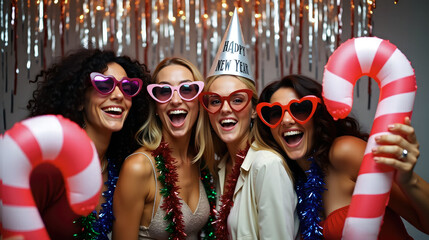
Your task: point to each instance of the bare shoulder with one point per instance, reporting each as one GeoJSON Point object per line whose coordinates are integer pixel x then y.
{"type": "Point", "coordinates": [346, 154]}
{"type": "Point", "coordinates": [139, 164]}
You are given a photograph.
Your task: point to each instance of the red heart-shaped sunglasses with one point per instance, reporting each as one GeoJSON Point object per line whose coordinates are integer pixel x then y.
{"type": "Point", "coordinates": [300, 110]}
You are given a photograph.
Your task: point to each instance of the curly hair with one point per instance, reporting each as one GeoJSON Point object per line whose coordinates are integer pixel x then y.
{"type": "Point", "coordinates": [61, 90]}
{"type": "Point", "coordinates": [326, 129]}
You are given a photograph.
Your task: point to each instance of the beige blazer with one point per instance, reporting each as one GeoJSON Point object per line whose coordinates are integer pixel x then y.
{"type": "Point", "coordinates": [264, 199]}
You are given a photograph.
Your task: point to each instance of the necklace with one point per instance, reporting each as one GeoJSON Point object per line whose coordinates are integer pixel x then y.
{"type": "Point", "coordinates": [310, 202]}
{"type": "Point", "coordinates": [172, 205]}
{"type": "Point", "coordinates": [226, 199]}
{"type": "Point", "coordinates": [98, 228]}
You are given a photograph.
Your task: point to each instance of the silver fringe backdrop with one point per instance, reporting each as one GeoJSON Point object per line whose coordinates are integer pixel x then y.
{"type": "Point", "coordinates": [283, 37]}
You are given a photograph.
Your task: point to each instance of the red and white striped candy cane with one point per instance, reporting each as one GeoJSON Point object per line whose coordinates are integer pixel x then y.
{"type": "Point", "coordinates": [389, 67]}
{"type": "Point", "coordinates": [52, 139]}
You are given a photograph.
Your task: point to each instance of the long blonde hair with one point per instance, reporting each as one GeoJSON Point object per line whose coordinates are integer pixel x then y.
{"type": "Point", "coordinates": [150, 133]}
{"type": "Point", "coordinates": [210, 145]}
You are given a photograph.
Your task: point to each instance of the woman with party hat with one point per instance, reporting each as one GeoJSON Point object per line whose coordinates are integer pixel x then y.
{"type": "Point", "coordinates": [256, 195]}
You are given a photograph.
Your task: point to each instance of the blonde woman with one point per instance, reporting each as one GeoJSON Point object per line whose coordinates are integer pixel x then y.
{"type": "Point", "coordinates": [256, 194]}
{"type": "Point", "coordinates": [159, 192]}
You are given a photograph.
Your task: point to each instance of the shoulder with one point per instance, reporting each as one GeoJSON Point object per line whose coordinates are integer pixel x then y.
{"type": "Point", "coordinates": [139, 164]}
{"type": "Point", "coordinates": [347, 152]}
{"type": "Point", "coordinates": [267, 154]}
{"type": "Point", "coordinates": [266, 159]}
{"type": "Point", "coordinates": [269, 168]}
{"type": "Point", "coordinates": [346, 146]}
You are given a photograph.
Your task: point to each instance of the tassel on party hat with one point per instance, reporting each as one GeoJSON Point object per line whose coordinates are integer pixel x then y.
{"type": "Point", "coordinates": [232, 57]}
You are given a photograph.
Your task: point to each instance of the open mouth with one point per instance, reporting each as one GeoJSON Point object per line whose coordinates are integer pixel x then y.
{"type": "Point", "coordinates": [177, 117]}
{"type": "Point", "coordinates": [113, 110]}
{"type": "Point", "coordinates": [228, 123]}
{"type": "Point", "coordinates": [293, 137]}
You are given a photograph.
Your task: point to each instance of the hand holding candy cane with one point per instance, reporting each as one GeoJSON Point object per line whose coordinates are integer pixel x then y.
{"type": "Point", "coordinates": [388, 66]}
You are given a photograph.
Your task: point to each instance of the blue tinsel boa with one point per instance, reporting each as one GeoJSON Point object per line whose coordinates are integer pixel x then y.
{"type": "Point", "coordinates": [99, 228]}
{"type": "Point", "coordinates": [310, 202]}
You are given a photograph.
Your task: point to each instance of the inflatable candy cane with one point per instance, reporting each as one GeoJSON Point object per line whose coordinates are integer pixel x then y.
{"type": "Point", "coordinates": [389, 67]}
{"type": "Point", "coordinates": [60, 142]}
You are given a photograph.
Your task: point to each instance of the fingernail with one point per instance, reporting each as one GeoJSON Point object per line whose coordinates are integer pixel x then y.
{"type": "Point", "coordinates": [390, 126]}
{"type": "Point", "coordinates": [374, 149]}
{"type": "Point", "coordinates": [377, 138]}
{"type": "Point", "coordinates": [376, 159]}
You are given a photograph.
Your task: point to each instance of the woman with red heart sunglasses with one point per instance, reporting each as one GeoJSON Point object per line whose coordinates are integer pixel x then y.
{"type": "Point", "coordinates": [325, 157]}
{"type": "Point", "coordinates": [160, 192]}
{"type": "Point", "coordinates": [255, 192]}
{"type": "Point", "coordinates": [256, 199]}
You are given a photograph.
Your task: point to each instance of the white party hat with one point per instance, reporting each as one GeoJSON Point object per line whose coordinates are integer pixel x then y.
{"type": "Point", "coordinates": [232, 57]}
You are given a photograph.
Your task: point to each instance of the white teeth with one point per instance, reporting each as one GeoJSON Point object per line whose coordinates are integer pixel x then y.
{"type": "Point", "coordinates": [228, 121]}
{"type": "Point", "coordinates": [113, 109]}
{"type": "Point", "coordinates": [291, 133]}
{"type": "Point", "coordinates": [178, 112]}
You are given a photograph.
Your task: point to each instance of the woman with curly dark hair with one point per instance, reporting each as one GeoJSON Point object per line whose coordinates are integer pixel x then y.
{"type": "Point", "coordinates": [102, 93]}
{"type": "Point", "coordinates": [325, 157]}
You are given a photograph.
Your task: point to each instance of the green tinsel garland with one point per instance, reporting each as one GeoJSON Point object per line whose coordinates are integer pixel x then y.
{"type": "Point", "coordinates": [168, 178]}
{"type": "Point", "coordinates": [207, 179]}
{"type": "Point", "coordinates": [86, 222]}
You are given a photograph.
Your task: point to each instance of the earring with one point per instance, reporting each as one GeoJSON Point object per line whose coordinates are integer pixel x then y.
{"type": "Point", "coordinates": [251, 123]}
